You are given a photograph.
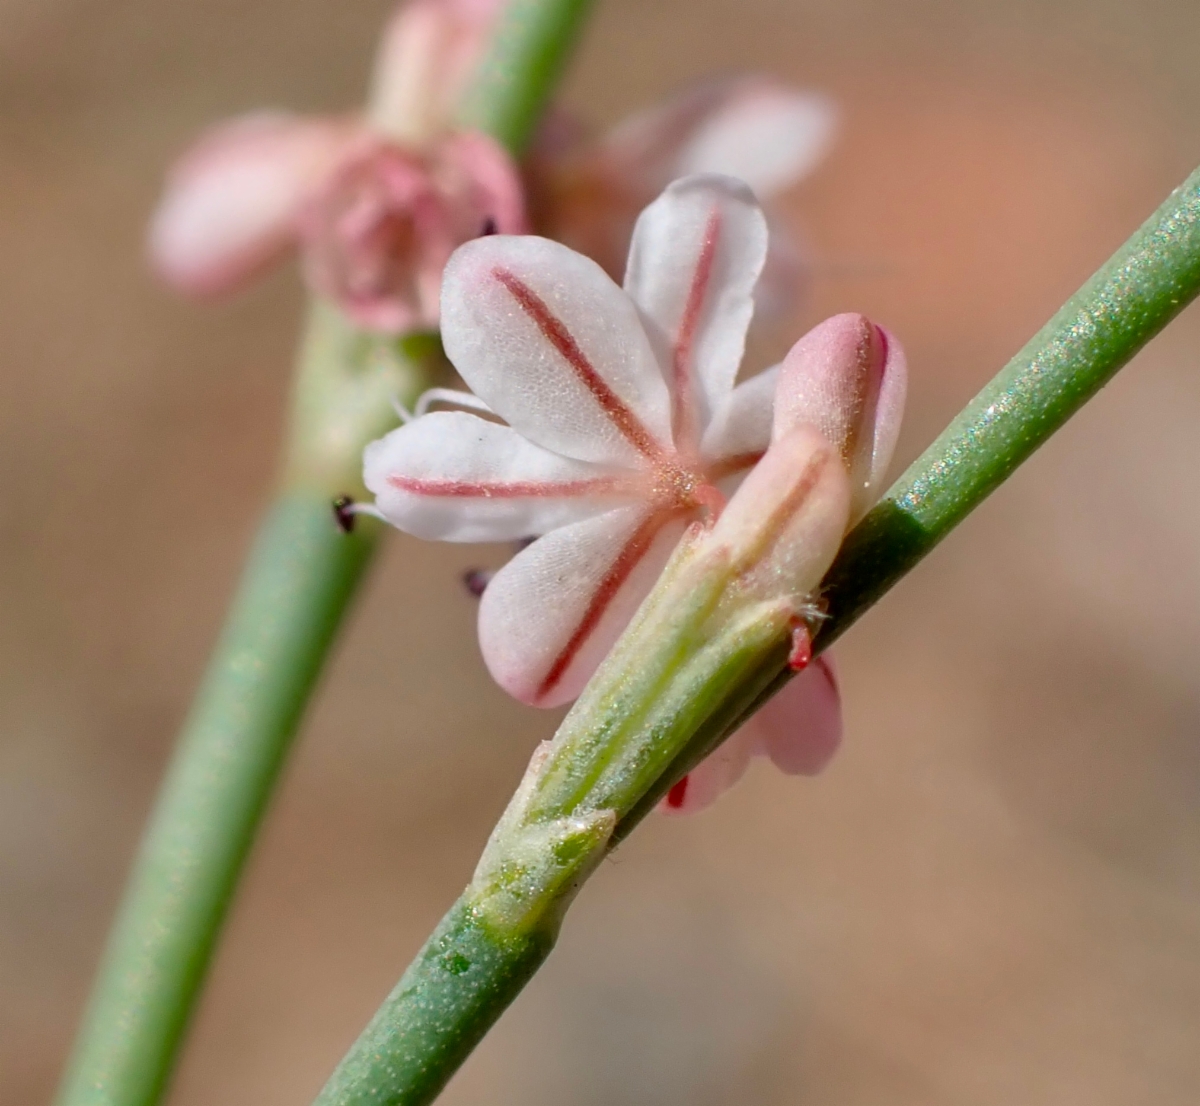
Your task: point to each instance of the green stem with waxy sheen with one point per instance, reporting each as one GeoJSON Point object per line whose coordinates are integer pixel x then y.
{"type": "Point", "coordinates": [613, 760]}
{"type": "Point", "coordinates": [297, 583]}
{"type": "Point", "coordinates": [301, 575]}
{"type": "Point", "coordinates": [294, 595]}
{"type": "Point", "coordinates": [521, 69]}
{"type": "Point", "coordinates": [686, 651]}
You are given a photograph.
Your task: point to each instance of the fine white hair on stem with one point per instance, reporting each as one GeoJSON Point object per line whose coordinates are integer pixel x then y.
{"type": "Point", "coordinates": [365, 509]}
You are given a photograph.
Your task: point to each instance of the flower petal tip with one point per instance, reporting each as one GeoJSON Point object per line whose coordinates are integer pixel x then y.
{"type": "Point", "coordinates": [232, 202]}
{"type": "Point", "coordinates": [800, 729]}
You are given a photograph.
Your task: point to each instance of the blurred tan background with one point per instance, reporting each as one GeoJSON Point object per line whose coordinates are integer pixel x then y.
{"type": "Point", "coordinates": [992, 897]}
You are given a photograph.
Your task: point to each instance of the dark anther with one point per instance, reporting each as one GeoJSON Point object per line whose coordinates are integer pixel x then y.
{"type": "Point", "coordinates": [342, 515]}
{"type": "Point", "coordinates": [476, 580]}
{"type": "Point", "coordinates": [489, 227]}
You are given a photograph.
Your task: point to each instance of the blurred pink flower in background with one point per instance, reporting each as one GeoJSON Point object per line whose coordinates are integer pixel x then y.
{"type": "Point", "coordinates": [588, 194]}
{"type": "Point", "coordinates": [375, 202]}
{"type": "Point", "coordinates": [378, 232]}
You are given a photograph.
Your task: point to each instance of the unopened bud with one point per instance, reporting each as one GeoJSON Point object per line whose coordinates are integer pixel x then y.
{"type": "Point", "coordinates": [428, 52]}
{"type": "Point", "coordinates": [847, 378]}
{"type": "Point", "coordinates": [785, 523]}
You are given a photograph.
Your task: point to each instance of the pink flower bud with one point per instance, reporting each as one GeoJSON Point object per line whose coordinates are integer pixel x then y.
{"type": "Point", "coordinates": [378, 235]}
{"type": "Point", "coordinates": [784, 524]}
{"type": "Point", "coordinates": [428, 52]}
{"type": "Point", "coordinates": [847, 378]}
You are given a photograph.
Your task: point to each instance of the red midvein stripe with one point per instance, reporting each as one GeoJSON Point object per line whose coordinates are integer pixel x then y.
{"type": "Point", "coordinates": [514, 489]}
{"type": "Point", "coordinates": [727, 466]}
{"type": "Point", "coordinates": [632, 552]}
{"type": "Point", "coordinates": [786, 509]}
{"type": "Point", "coordinates": [685, 418]}
{"type": "Point", "coordinates": [560, 338]}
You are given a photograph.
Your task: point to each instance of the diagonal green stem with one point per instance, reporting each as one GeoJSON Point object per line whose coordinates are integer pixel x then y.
{"type": "Point", "coordinates": [1141, 288]}
{"type": "Point", "coordinates": [294, 595]}
{"type": "Point", "coordinates": [1132, 297]}
{"type": "Point", "coordinates": [480, 958]}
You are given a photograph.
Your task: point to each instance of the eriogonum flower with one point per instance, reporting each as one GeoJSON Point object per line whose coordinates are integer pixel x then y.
{"type": "Point", "coordinates": [376, 202]}
{"type": "Point", "coordinates": [752, 127]}
{"type": "Point", "coordinates": [624, 425]}
{"type": "Point", "coordinates": [623, 420]}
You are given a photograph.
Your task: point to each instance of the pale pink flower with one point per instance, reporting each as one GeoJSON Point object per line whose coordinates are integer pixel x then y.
{"type": "Point", "coordinates": [232, 202]}
{"type": "Point", "coordinates": [376, 202]}
{"type": "Point", "coordinates": [624, 425]}
{"type": "Point", "coordinates": [379, 231]}
{"type": "Point", "coordinates": [752, 127]}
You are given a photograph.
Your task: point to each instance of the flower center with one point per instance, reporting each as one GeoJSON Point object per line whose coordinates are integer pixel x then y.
{"type": "Point", "coordinates": [678, 488]}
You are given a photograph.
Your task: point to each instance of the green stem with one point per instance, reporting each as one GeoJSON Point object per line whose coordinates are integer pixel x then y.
{"type": "Point", "coordinates": [523, 65]}
{"type": "Point", "coordinates": [300, 577]}
{"type": "Point", "coordinates": [480, 958]}
{"type": "Point", "coordinates": [1132, 297]}
{"type": "Point", "coordinates": [294, 593]}
{"type": "Point", "coordinates": [450, 996]}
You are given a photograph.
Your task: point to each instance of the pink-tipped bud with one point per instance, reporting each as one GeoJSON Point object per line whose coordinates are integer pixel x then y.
{"type": "Point", "coordinates": [428, 52]}
{"type": "Point", "coordinates": [847, 378]}
{"type": "Point", "coordinates": [784, 524]}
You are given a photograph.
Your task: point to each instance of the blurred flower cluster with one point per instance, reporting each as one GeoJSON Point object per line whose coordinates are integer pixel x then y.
{"type": "Point", "coordinates": [376, 201]}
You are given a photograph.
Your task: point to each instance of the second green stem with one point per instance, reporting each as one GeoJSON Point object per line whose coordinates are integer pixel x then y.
{"type": "Point", "coordinates": [298, 581]}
